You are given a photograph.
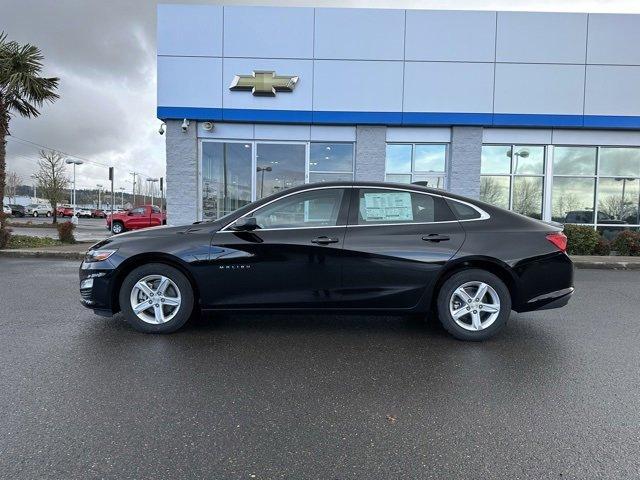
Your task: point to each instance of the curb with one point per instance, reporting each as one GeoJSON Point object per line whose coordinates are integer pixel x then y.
{"type": "Point", "coordinates": [606, 264]}
{"type": "Point", "coordinates": [42, 254]}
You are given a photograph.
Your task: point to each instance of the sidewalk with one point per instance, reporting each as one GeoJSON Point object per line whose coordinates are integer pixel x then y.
{"type": "Point", "coordinates": [77, 251]}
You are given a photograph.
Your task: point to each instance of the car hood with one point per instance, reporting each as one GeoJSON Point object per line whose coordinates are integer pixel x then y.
{"type": "Point", "coordinates": [157, 232]}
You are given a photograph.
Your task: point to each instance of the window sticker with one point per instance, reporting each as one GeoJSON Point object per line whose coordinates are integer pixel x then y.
{"type": "Point", "coordinates": [387, 206]}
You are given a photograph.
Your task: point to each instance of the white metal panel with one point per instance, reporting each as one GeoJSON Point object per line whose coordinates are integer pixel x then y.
{"type": "Point", "coordinates": [242, 131]}
{"type": "Point", "coordinates": [333, 133]}
{"type": "Point", "coordinates": [299, 99]}
{"type": "Point", "coordinates": [448, 87]}
{"type": "Point", "coordinates": [441, 35]}
{"type": "Point", "coordinates": [596, 137]}
{"type": "Point", "coordinates": [612, 90]}
{"type": "Point", "coordinates": [419, 134]}
{"type": "Point", "coordinates": [189, 82]}
{"type": "Point", "coordinates": [614, 39]}
{"type": "Point", "coordinates": [522, 136]}
{"type": "Point", "coordinates": [194, 30]}
{"type": "Point", "coordinates": [529, 37]}
{"type": "Point", "coordinates": [358, 33]}
{"type": "Point", "coordinates": [268, 32]}
{"type": "Point", "coordinates": [282, 132]}
{"type": "Point", "coordinates": [551, 89]}
{"type": "Point", "coordinates": [341, 85]}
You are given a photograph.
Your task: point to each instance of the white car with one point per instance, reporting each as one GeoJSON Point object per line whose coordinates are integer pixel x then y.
{"type": "Point", "coordinates": [38, 209]}
{"type": "Point", "coordinates": [6, 209]}
{"type": "Point", "coordinates": [84, 213]}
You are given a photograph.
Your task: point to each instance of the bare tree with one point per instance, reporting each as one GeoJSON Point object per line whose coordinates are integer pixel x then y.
{"type": "Point", "coordinates": [13, 182]}
{"type": "Point", "coordinates": [52, 178]}
{"type": "Point", "coordinates": [527, 197]}
{"type": "Point", "coordinates": [491, 191]}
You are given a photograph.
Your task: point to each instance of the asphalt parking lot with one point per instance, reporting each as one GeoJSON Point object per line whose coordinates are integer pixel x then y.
{"type": "Point", "coordinates": [556, 395]}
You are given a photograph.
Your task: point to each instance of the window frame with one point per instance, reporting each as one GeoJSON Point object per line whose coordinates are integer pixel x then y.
{"type": "Point", "coordinates": [413, 172]}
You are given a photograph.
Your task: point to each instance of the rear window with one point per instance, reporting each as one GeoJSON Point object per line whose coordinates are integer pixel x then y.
{"type": "Point", "coordinates": [464, 211]}
{"type": "Point", "coordinates": [386, 206]}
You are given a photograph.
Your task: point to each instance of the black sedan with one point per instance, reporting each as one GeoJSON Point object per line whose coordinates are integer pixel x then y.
{"type": "Point", "coordinates": [337, 247]}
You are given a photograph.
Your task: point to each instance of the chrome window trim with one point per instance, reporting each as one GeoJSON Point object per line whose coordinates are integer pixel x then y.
{"type": "Point", "coordinates": [483, 215]}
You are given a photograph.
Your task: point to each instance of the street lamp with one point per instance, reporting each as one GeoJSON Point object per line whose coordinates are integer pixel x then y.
{"type": "Point", "coordinates": [152, 181]}
{"type": "Point", "coordinates": [69, 161]}
{"type": "Point", "coordinates": [263, 169]}
{"type": "Point", "coordinates": [35, 194]}
{"type": "Point", "coordinates": [624, 186]}
{"type": "Point", "coordinates": [99, 191]}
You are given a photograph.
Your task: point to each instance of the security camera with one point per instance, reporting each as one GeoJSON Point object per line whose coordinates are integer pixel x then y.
{"type": "Point", "coordinates": [185, 125]}
{"type": "Point", "coordinates": [208, 126]}
{"type": "Point", "coordinates": [161, 129]}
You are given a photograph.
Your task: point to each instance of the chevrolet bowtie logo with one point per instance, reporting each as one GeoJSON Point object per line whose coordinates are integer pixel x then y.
{"type": "Point", "coordinates": [263, 83]}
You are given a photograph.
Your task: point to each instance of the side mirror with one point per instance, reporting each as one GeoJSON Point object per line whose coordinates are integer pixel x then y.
{"type": "Point", "coordinates": [245, 224]}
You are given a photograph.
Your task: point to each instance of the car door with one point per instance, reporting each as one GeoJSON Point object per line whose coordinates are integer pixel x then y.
{"type": "Point", "coordinates": [293, 259]}
{"type": "Point", "coordinates": [396, 244]}
{"type": "Point", "coordinates": [137, 218]}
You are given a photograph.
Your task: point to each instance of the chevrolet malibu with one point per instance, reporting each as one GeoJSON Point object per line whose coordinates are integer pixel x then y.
{"type": "Point", "coordinates": [361, 247]}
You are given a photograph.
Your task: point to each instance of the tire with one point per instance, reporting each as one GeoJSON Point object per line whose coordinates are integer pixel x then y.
{"type": "Point", "coordinates": [178, 287]}
{"type": "Point", "coordinates": [35, 214]}
{"type": "Point", "coordinates": [48, 214]}
{"type": "Point", "coordinates": [467, 327]}
{"type": "Point", "coordinates": [117, 228]}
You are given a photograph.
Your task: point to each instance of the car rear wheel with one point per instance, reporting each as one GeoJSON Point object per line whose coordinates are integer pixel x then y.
{"type": "Point", "coordinates": [473, 305]}
{"type": "Point", "coordinates": [117, 228]}
{"type": "Point", "coordinates": [156, 298]}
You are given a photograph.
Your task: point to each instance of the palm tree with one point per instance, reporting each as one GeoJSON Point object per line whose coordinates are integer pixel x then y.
{"type": "Point", "coordinates": [22, 90]}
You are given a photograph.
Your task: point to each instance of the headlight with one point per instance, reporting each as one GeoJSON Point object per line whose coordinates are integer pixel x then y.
{"type": "Point", "coordinates": [98, 255]}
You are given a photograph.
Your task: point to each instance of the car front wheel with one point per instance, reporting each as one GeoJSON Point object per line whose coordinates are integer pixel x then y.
{"type": "Point", "coordinates": [117, 228]}
{"type": "Point", "coordinates": [156, 298]}
{"type": "Point", "coordinates": [473, 305]}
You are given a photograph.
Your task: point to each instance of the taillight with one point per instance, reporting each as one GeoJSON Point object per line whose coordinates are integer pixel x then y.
{"type": "Point", "coordinates": [559, 239]}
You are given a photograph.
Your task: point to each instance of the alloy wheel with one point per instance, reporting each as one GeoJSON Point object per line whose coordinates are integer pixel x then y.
{"type": "Point", "coordinates": [155, 299]}
{"type": "Point", "coordinates": [474, 305]}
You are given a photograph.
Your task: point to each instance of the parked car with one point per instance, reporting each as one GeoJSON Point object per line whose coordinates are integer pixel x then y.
{"type": "Point", "coordinates": [136, 218]}
{"type": "Point", "coordinates": [64, 210]}
{"type": "Point", "coordinates": [98, 213]}
{"type": "Point", "coordinates": [83, 213]}
{"type": "Point", "coordinates": [17, 210]}
{"type": "Point", "coordinates": [344, 246]}
{"type": "Point", "coordinates": [38, 210]}
{"type": "Point", "coordinates": [6, 209]}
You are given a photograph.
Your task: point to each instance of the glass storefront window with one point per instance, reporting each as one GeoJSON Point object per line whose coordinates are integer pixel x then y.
{"type": "Point", "coordinates": [620, 162]}
{"type": "Point", "coordinates": [573, 200]}
{"type": "Point", "coordinates": [495, 190]}
{"type": "Point", "coordinates": [574, 160]}
{"type": "Point", "coordinates": [226, 178]}
{"type": "Point", "coordinates": [279, 166]}
{"type": "Point", "coordinates": [330, 177]}
{"type": "Point", "coordinates": [407, 163]}
{"type": "Point", "coordinates": [331, 157]}
{"type": "Point", "coordinates": [512, 177]}
{"type": "Point", "coordinates": [618, 200]}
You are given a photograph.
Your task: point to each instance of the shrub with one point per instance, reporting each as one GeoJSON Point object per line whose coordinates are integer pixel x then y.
{"type": "Point", "coordinates": [581, 239]}
{"type": "Point", "coordinates": [603, 247]}
{"type": "Point", "coordinates": [65, 232]}
{"type": "Point", "coordinates": [25, 241]}
{"type": "Point", "coordinates": [627, 243]}
{"type": "Point", "coordinates": [5, 236]}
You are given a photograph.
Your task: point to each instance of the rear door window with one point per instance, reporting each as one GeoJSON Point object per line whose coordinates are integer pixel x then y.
{"type": "Point", "coordinates": [389, 206]}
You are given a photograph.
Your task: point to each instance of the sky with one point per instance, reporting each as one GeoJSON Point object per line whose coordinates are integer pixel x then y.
{"type": "Point", "coordinates": [104, 53]}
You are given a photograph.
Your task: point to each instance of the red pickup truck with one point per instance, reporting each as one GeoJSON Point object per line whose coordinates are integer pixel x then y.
{"type": "Point", "coordinates": [139, 217]}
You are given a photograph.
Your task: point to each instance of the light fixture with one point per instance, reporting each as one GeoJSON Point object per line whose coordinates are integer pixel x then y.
{"type": "Point", "coordinates": [208, 126]}
{"type": "Point", "coordinates": [161, 129]}
{"type": "Point", "coordinates": [185, 125]}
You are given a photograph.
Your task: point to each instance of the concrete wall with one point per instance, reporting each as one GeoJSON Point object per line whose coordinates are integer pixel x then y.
{"type": "Point", "coordinates": [182, 174]}
{"type": "Point", "coordinates": [464, 161]}
{"type": "Point", "coordinates": [370, 153]}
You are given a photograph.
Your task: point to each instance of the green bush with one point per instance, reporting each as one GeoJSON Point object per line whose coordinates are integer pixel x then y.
{"type": "Point", "coordinates": [581, 239]}
{"type": "Point", "coordinates": [25, 241]}
{"type": "Point", "coordinates": [627, 243]}
{"type": "Point", "coordinates": [65, 232]}
{"type": "Point", "coordinates": [5, 236]}
{"type": "Point", "coordinates": [603, 247]}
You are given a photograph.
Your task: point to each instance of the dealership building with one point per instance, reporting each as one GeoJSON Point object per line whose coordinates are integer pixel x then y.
{"type": "Point", "coordinates": [536, 112]}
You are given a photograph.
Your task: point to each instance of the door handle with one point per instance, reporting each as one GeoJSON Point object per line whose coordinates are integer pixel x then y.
{"type": "Point", "coordinates": [324, 240]}
{"type": "Point", "coordinates": [435, 237]}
